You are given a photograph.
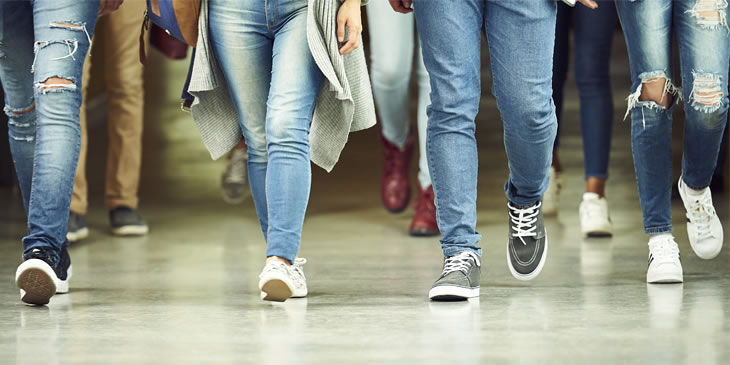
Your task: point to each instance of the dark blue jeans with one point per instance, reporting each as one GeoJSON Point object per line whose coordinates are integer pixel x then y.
{"type": "Point", "coordinates": [593, 36]}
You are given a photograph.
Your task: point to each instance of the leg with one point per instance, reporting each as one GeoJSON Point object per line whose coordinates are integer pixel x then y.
{"type": "Point", "coordinates": [524, 92]}
{"type": "Point", "coordinates": [80, 197]}
{"type": "Point", "coordinates": [16, 58]}
{"type": "Point", "coordinates": [125, 86]}
{"type": "Point", "coordinates": [450, 35]}
{"type": "Point", "coordinates": [58, 70]}
{"type": "Point", "coordinates": [391, 55]}
{"type": "Point", "coordinates": [561, 62]}
{"type": "Point", "coordinates": [645, 27]}
{"type": "Point", "coordinates": [424, 98]}
{"type": "Point", "coordinates": [295, 83]}
{"type": "Point", "coordinates": [245, 52]}
{"type": "Point", "coordinates": [594, 31]}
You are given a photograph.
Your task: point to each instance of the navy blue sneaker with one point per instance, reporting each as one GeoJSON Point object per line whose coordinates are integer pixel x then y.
{"type": "Point", "coordinates": [39, 277]}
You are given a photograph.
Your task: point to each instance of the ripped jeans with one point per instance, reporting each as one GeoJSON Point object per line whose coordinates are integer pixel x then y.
{"type": "Point", "coordinates": [703, 37]}
{"type": "Point", "coordinates": [43, 44]}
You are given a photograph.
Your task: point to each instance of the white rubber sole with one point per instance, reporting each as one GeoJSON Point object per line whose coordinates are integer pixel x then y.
{"type": "Point", "coordinates": [449, 292]}
{"type": "Point", "coordinates": [597, 230]}
{"type": "Point", "coordinates": [537, 271]}
{"type": "Point", "coordinates": [277, 288]}
{"type": "Point", "coordinates": [78, 235]}
{"type": "Point", "coordinates": [664, 276]}
{"type": "Point", "coordinates": [36, 281]}
{"type": "Point", "coordinates": [131, 230]}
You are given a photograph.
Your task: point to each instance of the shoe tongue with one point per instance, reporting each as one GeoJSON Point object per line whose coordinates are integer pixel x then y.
{"type": "Point", "coordinates": [591, 196]}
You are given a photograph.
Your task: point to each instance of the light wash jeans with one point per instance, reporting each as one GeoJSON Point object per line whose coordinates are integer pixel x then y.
{"type": "Point", "coordinates": [263, 51]}
{"type": "Point", "coordinates": [520, 35]}
{"type": "Point", "coordinates": [392, 45]}
{"type": "Point", "coordinates": [39, 40]}
{"type": "Point", "coordinates": [704, 54]}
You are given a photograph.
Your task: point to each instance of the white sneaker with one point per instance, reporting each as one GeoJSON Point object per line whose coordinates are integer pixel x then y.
{"type": "Point", "coordinates": [703, 224]}
{"type": "Point", "coordinates": [664, 264]}
{"type": "Point", "coordinates": [551, 198]}
{"type": "Point", "coordinates": [279, 281]}
{"type": "Point", "coordinates": [594, 219]}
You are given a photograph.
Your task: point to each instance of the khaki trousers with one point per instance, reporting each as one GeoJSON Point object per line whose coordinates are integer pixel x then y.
{"type": "Point", "coordinates": [123, 75]}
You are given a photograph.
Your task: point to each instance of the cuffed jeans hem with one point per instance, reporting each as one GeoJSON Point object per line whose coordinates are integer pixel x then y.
{"type": "Point", "coordinates": [455, 250]}
{"type": "Point", "coordinates": [658, 230]}
{"type": "Point", "coordinates": [280, 253]}
{"type": "Point", "coordinates": [694, 186]}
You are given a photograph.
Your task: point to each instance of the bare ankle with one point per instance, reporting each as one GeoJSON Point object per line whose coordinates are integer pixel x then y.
{"type": "Point", "coordinates": [277, 258]}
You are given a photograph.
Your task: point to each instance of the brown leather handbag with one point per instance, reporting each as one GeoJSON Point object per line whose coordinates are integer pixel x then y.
{"type": "Point", "coordinates": [178, 18]}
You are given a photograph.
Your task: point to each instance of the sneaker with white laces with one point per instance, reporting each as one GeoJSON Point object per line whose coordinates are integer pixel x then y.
{"type": "Point", "coordinates": [594, 219]}
{"type": "Point", "coordinates": [459, 279]}
{"type": "Point", "coordinates": [703, 224]}
{"type": "Point", "coordinates": [551, 198]}
{"type": "Point", "coordinates": [664, 263]}
{"type": "Point", "coordinates": [234, 181]}
{"type": "Point", "coordinates": [528, 244]}
{"type": "Point", "coordinates": [279, 281]}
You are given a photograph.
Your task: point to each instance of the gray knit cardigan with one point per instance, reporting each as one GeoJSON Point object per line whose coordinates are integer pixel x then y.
{"type": "Point", "coordinates": [344, 103]}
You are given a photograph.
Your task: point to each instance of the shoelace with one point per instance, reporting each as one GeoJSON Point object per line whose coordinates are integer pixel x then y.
{"type": "Point", "coordinates": [664, 249]}
{"type": "Point", "coordinates": [237, 167]}
{"type": "Point", "coordinates": [297, 269]}
{"type": "Point", "coordinates": [393, 160]}
{"type": "Point", "coordinates": [593, 208]}
{"type": "Point", "coordinates": [700, 213]}
{"type": "Point", "coordinates": [524, 221]}
{"type": "Point", "coordinates": [460, 262]}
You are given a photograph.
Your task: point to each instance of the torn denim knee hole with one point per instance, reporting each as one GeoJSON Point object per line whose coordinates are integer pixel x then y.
{"type": "Point", "coordinates": [710, 14]}
{"type": "Point", "coordinates": [71, 44]}
{"type": "Point", "coordinates": [13, 112]}
{"type": "Point", "coordinates": [706, 92]}
{"type": "Point", "coordinates": [647, 77]}
{"type": "Point", "coordinates": [51, 85]}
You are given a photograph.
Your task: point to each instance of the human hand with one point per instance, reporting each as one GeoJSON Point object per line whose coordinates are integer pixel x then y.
{"type": "Point", "coordinates": [109, 6]}
{"type": "Point", "coordinates": [349, 17]}
{"type": "Point", "coordinates": [402, 6]}
{"type": "Point", "coordinates": [589, 3]}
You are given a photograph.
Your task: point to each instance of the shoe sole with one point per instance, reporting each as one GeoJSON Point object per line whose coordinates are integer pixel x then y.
{"type": "Point", "coordinates": [713, 254]}
{"type": "Point", "coordinates": [235, 200]}
{"type": "Point", "coordinates": [276, 290]}
{"type": "Point", "coordinates": [664, 279]}
{"type": "Point", "coordinates": [35, 279]}
{"type": "Point", "coordinates": [448, 293]}
{"type": "Point", "coordinates": [540, 265]}
{"type": "Point", "coordinates": [78, 235]}
{"type": "Point", "coordinates": [130, 231]}
{"type": "Point", "coordinates": [598, 232]}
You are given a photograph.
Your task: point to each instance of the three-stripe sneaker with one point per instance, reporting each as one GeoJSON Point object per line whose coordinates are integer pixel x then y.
{"type": "Point", "coordinates": [528, 243]}
{"type": "Point", "coordinates": [459, 279]}
{"type": "Point", "coordinates": [39, 277]}
{"type": "Point", "coordinates": [703, 225]}
{"type": "Point", "coordinates": [664, 263]}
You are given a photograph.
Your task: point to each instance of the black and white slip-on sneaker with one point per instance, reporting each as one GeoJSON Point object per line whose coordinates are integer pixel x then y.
{"type": "Point", "coordinates": [528, 243]}
{"type": "Point", "coordinates": [459, 279]}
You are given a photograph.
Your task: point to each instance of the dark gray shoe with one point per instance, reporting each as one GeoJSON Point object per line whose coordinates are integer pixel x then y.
{"type": "Point", "coordinates": [77, 229]}
{"type": "Point", "coordinates": [126, 221]}
{"type": "Point", "coordinates": [528, 243]}
{"type": "Point", "coordinates": [459, 279]}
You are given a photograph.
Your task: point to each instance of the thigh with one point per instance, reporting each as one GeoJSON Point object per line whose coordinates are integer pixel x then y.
{"type": "Point", "coordinates": [594, 31]}
{"type": "Point", "coordinates": [295, 77]}
{"type": "Point", "coordinates": [647, 28]}
{"type": "Point", "coordinates": [243, 49]}
{"type": "Point", "coordinates": [63, 30]}
{"type": "Point", "coordinates": [16, 53]}
{"type": "Point", "coordinates": [450, 35]}
{"type": "Point", "coordinates": [704, 51]}
{"type": "Point", "coordinates": [391, 40]}
{"type": "Point", "coordinates": [521, 37]}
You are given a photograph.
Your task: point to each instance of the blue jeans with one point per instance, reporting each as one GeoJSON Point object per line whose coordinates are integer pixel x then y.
{"type": "Point", "coordinates": [40, 40]}
{"type": "Point", "coordinates": [274, 81]}
{"type": "Point", "coordinates": [704, 54]}
{"type": "Point", "coordinates": [593, 37]}
{"type": "Point", "coordinates": [520, 35]}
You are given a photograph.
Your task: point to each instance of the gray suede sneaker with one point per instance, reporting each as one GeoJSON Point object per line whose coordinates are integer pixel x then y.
{"type": "Point", "coordinates": [459, 279]}
{"type": "Point", "coordinates": [126, 221]}
{"type": "Point", "coordinates": [528, 243]}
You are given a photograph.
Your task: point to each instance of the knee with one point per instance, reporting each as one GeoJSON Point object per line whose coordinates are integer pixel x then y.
{"type": "Point", "coordinates": [282, 135]}
{"type": "Point", "coordinates": [21, 124]}
{"type": "Point", "coordinates": [56, 84]}
{"type": "Point", "coordinates": [389, 75]}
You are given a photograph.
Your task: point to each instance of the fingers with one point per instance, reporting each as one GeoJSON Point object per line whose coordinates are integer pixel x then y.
{"type": "Point", "coordinates": [589, 3]}
{"type": "Point", "coordinates": [353, 40]}
{"type": "Point", "coordinates": [341, 29]}
{"type": "Point", "coordinates": [401, 6]}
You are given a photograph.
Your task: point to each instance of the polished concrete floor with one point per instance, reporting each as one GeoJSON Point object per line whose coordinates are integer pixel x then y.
{"type": "Point", "coordinates": [187, 292]}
